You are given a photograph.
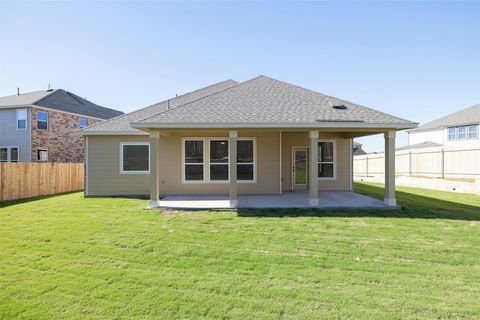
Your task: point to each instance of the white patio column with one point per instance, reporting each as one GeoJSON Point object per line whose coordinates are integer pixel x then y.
{"type": "Point", "coordinates": [313, 169]}
{"type": "Point", "coordinates": [390, 168]}
{"type": "Point", "coordinates": [232, 168]}
{"type": "Point", "coordinates": [154, 138]}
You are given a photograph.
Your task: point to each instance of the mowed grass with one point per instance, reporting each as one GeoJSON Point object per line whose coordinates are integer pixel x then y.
{"type": "Point", "coordinates": [69, 257]}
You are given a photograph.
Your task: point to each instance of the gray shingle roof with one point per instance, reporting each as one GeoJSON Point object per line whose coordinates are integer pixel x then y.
{"type": "Point", "coordinates": [266, 101]}
{"type": "Point", "coordinates": [69, 102]}
{"type": "Point", "coordinates": [464, 116]}
{"type": "Point", "coordinates": [122, 123]}
{"type": "Point", "coordinates": [59, 100]}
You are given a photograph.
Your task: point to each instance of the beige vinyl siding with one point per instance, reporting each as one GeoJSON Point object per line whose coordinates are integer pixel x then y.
{"type": "Point", "coordinates": [300, 139]}
{"type": "Point", "coordinates": [267, 165]}
{"type": "Point", "coordinates": [104, 177]}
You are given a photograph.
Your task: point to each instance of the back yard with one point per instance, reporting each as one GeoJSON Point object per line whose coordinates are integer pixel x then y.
{"type": "Point", "coordinates": [69, 257]}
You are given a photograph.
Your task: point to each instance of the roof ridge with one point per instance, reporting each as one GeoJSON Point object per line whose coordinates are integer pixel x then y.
{"type": "Point", "coordinates": [156, 104]}
{"type": "Point", "coordinates": [208, 95]}
{"type": "Point", "coordinates": [42, 98]}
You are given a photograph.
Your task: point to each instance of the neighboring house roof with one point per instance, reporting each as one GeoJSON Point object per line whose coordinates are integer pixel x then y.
{"type": "Point", "coordinates": [464, 116]}
{"type": "Point", "coordinates": [427, 144]}
{"type": "Point", "coordinates": [121, 124]}
{"type": "Point", "coordinates": [357, 149]}
{"type": "Point", "coordinates": [23, 99]}
{"type": "Point", "coordinates": [59, 100]}
{"type": "Point", "coordinates": [264, 102]}
{"type": "Point", "coordinates": [359, 152]}
{"type": "Point", "coordinates": [357, 144]}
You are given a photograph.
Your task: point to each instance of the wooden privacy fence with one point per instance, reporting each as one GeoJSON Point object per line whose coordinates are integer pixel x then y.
{"type": "Point", "coordinates": [459, 162]}
{"type": "Point", "coordinates": [29, 179]}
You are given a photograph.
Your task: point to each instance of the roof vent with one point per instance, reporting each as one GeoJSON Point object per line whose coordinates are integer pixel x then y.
{"type": "Point", "coordinates": [340, 107]}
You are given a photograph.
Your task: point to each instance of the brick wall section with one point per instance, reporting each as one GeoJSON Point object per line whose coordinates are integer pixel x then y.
{"type": "Point", "coordinates": [62, 143]}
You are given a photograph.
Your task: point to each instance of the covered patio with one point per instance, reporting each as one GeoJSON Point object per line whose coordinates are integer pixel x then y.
{"type": "Point", "coordinates": [309, 197]}
{"type": "Point", "coordinates": [296, 199]}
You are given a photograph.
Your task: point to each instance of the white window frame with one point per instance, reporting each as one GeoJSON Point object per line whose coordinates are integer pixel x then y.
{"type": "Point", "coordinates": [46, 112]}
{"type": "Point", "coordinates": [458, 133]}
{"type": "Point", "coordinates": [334, 162]}
{"type": "Point", "coordinates": [454, 133]}
{"type": "Point", "coordinates": [217, 163]}
{"type": "Point", "coordinates": [248, 163]}
{"type": "Point", "coordinates": [80, 123]}
{"type": "Point", "coordinates": [134, 143]}
{"type": "Point", "coordinates": [203, 164]}
{"type": "Point", "coordinates": [468, 131]}
{"type": "Point", "coordinates": [42, 149]}
{"type": "Point", "coordinates": [9, 153]}
{"type": "Point", "coordinates": [206, 160]}
{"type": "Point", "coordinates": [26, 118]}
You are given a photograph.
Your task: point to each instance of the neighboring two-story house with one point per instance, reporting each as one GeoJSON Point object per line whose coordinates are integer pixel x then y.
{"type": "Point", "coordinates": [460, 128]}
{"type": "Point", "coordinates": [40, 126]}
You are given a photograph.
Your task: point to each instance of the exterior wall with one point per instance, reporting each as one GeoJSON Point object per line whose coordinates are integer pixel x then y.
{"type": "Point", "coordinates": [437, 136]}
{"type": "Point", "coordinates": [104, 176]}
{"type": "Point", "coordinates": [461, 143]}
{"type": "Point", "coordinates": [11, 136]}
{"type": "Point", "coordinates": [343, 161]}
{"type": "Point", "coordinates": [61, 141]}
{"type": "Point", "coordinates": [440, 136]}
{"type": "Point", "coordinates": [103, 168]}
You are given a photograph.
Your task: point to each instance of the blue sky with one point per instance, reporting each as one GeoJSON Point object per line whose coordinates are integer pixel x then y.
{"type": "Point", "coordinates": [417, 60]}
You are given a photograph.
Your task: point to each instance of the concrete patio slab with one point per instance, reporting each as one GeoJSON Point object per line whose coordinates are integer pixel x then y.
{"type": "Point", "coordinates": [297, 199]}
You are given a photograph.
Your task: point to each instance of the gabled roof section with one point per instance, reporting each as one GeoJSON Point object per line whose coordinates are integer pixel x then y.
{"type": "Point", "coordinates": [23, 99]}
{"type": "Point", "coordinates": [59, 100]}
{"type": "Point", "coordinates": [121, 124]}
{"type": "Point", "coordinates": [465, 116]}
{"type": "Point", "coordinates": [264, 102]}
{"type": "Point", "coordinates": [66, 101]}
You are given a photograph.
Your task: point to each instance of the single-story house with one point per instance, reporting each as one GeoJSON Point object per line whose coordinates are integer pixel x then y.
{"type": "Point", "coordinates": [230, 139]}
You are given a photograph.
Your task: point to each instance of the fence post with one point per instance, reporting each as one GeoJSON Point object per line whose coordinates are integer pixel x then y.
{"type": "Point", "coordinates": [366, 166]}
{"type": "Point", "coordinates": [410, 163]}
{"type": "Point", "coordinates": [442, 163]}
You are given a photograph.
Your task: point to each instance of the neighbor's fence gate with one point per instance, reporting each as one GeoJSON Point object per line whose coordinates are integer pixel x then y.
{"type": "Point", "coordinates": [453, 163]}
{"type": "Point", "coordinates": [29, 179]}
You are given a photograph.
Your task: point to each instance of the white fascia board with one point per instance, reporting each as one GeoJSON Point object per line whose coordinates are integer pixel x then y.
{"type": "Point", "coordinates": [346, 125]}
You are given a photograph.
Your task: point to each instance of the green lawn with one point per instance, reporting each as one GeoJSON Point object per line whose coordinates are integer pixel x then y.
{"type": "Point", "coordinates": [75, 258]}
